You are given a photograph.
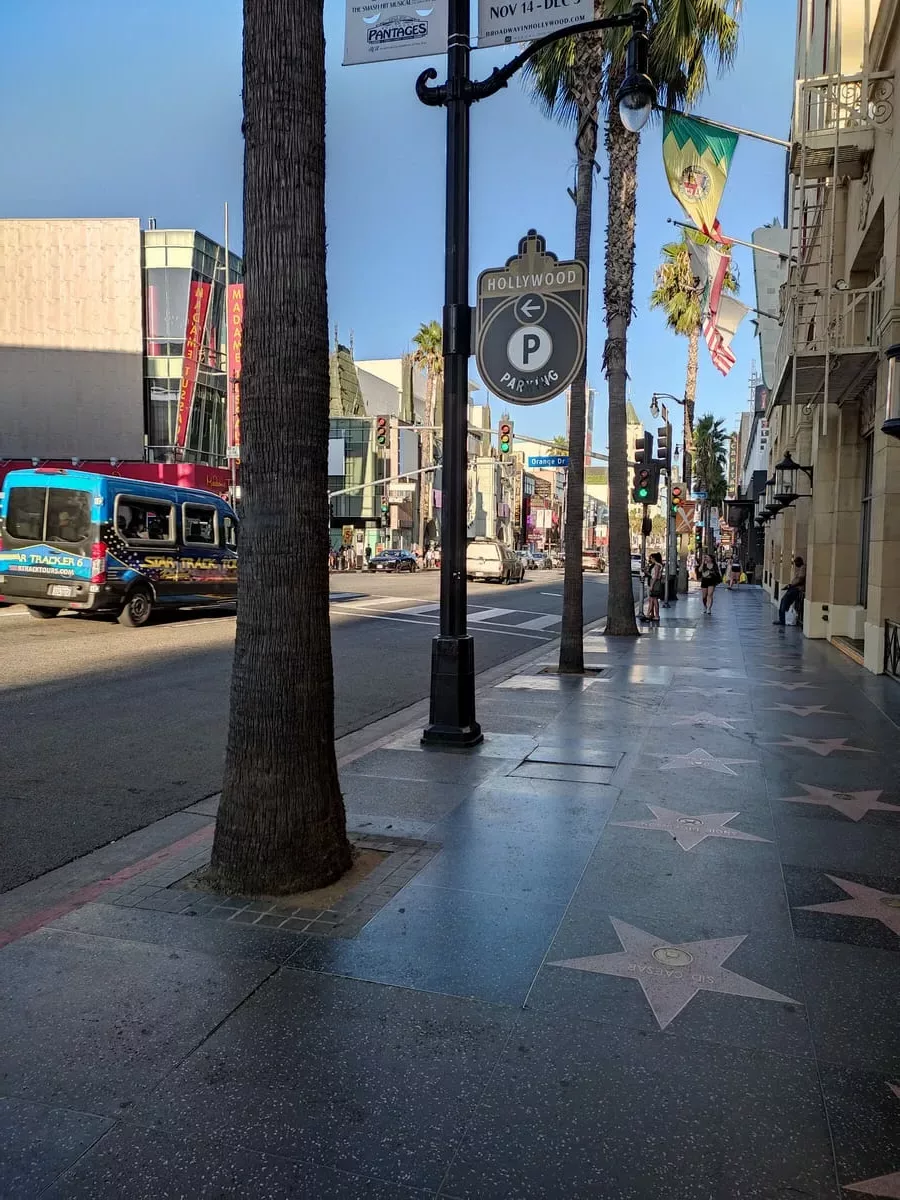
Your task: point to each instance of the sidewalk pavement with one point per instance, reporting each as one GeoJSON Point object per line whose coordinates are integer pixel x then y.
{"type": "Point", "coordinates": [643, 943]}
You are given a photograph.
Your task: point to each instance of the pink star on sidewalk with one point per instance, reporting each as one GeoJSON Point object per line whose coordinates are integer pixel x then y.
{"type": "Point", "coordinates": [708, 719]}
{"type": "Point", "coordinates": [700, 760]}
{"type": "Point", "coordinates": [854, 805]}
{"type": "Point", "coordinates": [787, 687]}
{"type": "Point", "coordinates": [821, 746]}
{"type": "Point", "coordinates": [866, 902]}
{"type": "Point", "coordinates": [671, 975]}
{"type": "Point", "coordinates": [883, 1185]}
{"type": "Point", "coordinates": [689, 831]}
{"type": "Point", "coordinates": [809, 710]}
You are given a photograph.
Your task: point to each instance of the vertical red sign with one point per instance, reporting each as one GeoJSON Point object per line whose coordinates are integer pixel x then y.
{"type": "Point", "coordinates": [235, 342]}
{"type": "Point", "coordinates": [198, 307]}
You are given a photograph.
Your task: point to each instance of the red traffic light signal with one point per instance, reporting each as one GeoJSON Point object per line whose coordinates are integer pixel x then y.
{"type": "Point", "coordinates": [506, 437]}
{"type": "Point", "coordinates": [381, 430]}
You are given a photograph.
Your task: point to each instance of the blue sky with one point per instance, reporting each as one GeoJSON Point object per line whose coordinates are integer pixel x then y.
{"type": "Point", "coordinates": [133, 109]}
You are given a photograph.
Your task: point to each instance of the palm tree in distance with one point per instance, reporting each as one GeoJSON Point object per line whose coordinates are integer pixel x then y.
{"type": "Point", "coordinates": [281, 825]}
{"type": "Point", "coordinates": [677, 292]}
{"type": "Point", "coordinates": [571, 80]}
{"type": "Point", "coordinates": [428, 356]}
{"type": "Point", "coordinates": [709, 464]}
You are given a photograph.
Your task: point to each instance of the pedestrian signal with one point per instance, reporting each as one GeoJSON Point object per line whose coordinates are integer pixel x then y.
{"type": "Point", "coordinates": [506, 437]}
{"type": "Point", "coordinates": [643, 449]}
{"type": "Point", "coordinates": [382, 426]}
{"type": "Point", "coordinates": [663, 448]}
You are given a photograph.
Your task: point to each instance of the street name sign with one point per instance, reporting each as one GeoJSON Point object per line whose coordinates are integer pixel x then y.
{"type": "Point", "coordinates": [394, 29]}
{"type": "Point", "coordinates": [529, 324]}
{"type": "Point", "coordinates": [548, 460]}
{"type": "Point", "coordinates": [499, 24]}
{"type": "Point", "coordinates": [698, 495]}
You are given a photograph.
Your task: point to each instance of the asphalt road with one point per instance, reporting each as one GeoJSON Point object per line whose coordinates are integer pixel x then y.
{"type": "Point", "coordinates": [104, 730]}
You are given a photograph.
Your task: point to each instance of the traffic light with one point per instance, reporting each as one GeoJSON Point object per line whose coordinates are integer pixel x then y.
{"type": "Point", "coordinates": [677, 497]}
{"type": "Point", "coordinates": [663, 449]}
{"type": "Point", "coordinates": [643, 450]}
{"type": "Point", "coordinates": [645, 484]}
{"type": "Point", "coordinates": [382, 428]}
{"type": "Point", "coordinates": [506, 436]}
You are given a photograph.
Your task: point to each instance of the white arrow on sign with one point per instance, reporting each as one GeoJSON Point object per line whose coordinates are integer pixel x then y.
{"type": "Point", "coordinates": [529, 308]}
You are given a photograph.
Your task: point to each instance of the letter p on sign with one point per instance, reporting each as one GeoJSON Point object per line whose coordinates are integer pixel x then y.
{"type": "Point", "coordinates": [529, 348]}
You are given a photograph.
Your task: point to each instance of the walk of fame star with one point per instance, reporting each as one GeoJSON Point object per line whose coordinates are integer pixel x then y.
{"type": "Point", "coordinates": [821, 746]}
{"type": "Point", "coordinates": [786, 687]}
{"type": "Point", "coordinates": [716, 691]}
{"type": "Point", "coordinates": [689, 831]}
{"type": "Point", "coordinates": [883, 1185]}
{"type": "Point", "coordinates": [700, 760]}
{"type": "Point", "coordinates": [671, 975]}
{"type": "Point", "coordinates": [708, 719]}
{"type": "Point", "coordinates": [866, 902]}
{"type": "Point", "coordinates": [809, 710]}
{"type": "Point", "coordinates": [854, 805]}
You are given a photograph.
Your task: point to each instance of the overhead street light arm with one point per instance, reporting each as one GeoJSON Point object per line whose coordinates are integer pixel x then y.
{"type": "Point", "coordinates": [479, 89]}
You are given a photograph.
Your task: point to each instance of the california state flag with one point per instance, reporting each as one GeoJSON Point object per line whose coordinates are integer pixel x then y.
{"type": "Point", "coordinates": [696, 157]}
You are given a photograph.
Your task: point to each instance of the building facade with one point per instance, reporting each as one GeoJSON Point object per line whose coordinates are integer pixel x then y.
{"type": "Point", "coordinates": [840, 313]}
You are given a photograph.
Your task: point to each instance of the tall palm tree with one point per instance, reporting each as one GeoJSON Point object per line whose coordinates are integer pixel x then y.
{"type": "Point", "coordinates": [281, 825]}
{"type": "Point", "coordinates": [429, 357]}
{"type": "Point", "coordinates": [709, 462]}
{"type": "Point", "coordinates": [567, 80]}
{"type": "Point", "coordinates": [570, 80]}
{"type": "Point", "coordinates": [677, 293]}
{"type": "Point", "coordinates": [685, 33]}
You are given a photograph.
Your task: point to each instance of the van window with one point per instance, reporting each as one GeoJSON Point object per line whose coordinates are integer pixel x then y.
{"type": "Point", "coordinates": [59, 516]}
{"type": "Point", "coordinates": [25, 513]}
{"type": "Point", "coordinates": [140, 520]}
{"type": "Point", "coordinates": [229, 527]}
{"type": "Point", "coordinates": [199, 522]}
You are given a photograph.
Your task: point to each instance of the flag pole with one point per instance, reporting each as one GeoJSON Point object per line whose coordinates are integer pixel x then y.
{"type": "Point", "coordinates": [733, 241]}
{"type": "Point", "coordinates": [760, 137]}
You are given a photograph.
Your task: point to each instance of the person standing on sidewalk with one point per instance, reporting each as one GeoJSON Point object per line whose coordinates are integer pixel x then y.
{"type": "Point", "coordinates": [656, 586]}
{"type": "Point", "coordinates": [793, 591]}
{"type": "Point", "coordinates": [709, 576]}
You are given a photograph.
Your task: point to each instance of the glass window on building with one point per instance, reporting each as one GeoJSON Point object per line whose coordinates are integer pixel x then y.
{"type": "Point", "coordinates": [167, 304]}
{"type": "Point", "coordinates": [162, 411]}
{"type": "Point", "coordinates": [866, 524]}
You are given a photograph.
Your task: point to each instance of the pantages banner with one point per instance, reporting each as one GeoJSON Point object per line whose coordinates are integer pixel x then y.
{"type": "Point", "coordinates": [198, 307]}
{"type": "Point", "coordinates": [375, 32]}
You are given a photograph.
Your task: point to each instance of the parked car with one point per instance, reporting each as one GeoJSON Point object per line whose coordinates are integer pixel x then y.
{"type": "Point", "coordinates": [541, 560]}
{"type": "Point", "coordinates": [393, 560]}
{"type": "Point", "coordinates": [490, 559]}
{"type": "Point", "coordinates": [526, 558]}
{"type": "Point", "coordinates": [592, 560]}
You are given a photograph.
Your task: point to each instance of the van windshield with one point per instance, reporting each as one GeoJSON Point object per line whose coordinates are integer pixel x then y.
{"type": "Point", "coordinates": [58, 517]}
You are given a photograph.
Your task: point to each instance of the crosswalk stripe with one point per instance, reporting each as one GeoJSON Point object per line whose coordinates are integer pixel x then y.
{"type": "Point", "coordinates": [540, 622]}
{"type": "Point", "coordinates": [488, 614]}
{"type": "Point", "coordinates": [417, 611]}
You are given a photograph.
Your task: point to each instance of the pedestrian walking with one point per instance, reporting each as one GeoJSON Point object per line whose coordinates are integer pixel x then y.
{"type": "Point", "coordinates": [368, 554]}
{"type": "Point", "coordinates": [793, 592]}
{"type": "Point", "coordinates": [657, 586]}
{"type": "Point", "coordinates": [734, 574]}
{"type": "Point", "coordinates": [709, 577]}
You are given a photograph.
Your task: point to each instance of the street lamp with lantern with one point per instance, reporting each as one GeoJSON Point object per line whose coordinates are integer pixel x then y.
{"type": "Point", "coordinates": [452, 717]}
{"type": "Point", "coordinates": [773, 505]}
{"type": "Point", "coordinates": [786, 480]}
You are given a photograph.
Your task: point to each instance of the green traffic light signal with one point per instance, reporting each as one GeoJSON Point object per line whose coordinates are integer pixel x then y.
{"type": "Point", "coordinates": [643, 493]}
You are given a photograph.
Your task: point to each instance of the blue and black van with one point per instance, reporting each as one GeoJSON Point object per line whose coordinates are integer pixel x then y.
{"type": "Point", "coordinates": [102, 544]}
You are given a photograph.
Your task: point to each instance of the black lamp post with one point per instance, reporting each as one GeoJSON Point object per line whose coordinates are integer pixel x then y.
{"type": "Point", "coordinates": [452, 719]}
{"type": "Point", "coordinates": [891, 424]}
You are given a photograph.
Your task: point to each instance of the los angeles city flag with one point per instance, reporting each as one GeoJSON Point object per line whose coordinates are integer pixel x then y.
{"type": "Point", "coordinates": [697, 157]}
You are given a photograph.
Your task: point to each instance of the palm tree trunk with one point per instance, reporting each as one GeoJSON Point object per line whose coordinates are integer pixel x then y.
{"type": "Point", "coordinates": [571, 647]}
{"type": "Point", "coordinates": [281, 825]}
{"type": "Point", "coordinates": [618, 296]}
{"type": "Point", "coordinates": [690, 400]}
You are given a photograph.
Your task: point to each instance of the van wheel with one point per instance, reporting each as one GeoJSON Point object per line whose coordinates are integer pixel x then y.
{"type": "Point", "coordinates": [137, 609]}
{"type": "Point", "coordinates": [44, 613]}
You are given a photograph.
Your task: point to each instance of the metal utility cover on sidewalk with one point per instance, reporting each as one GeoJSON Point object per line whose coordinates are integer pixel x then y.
{"type": "Point", "coordinates": [394, 29]}
{"type": "Point", "coordinates": [530, 324]}
{"type": "Point", "coordinates": [500, 24]}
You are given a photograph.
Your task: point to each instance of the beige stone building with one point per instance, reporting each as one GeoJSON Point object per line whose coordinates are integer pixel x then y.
{"type": "Point", "coordinates": [840, 309]}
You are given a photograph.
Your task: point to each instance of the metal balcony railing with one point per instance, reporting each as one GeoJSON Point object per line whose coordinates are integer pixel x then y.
{"type": "Point", "coordinates": [815, 325]}
{"type": "Point", "coordinates": [843, 102]}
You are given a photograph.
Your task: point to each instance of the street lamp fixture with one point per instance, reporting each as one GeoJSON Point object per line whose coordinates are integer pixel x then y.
{"type": "Point", "coordinates": [773, 505]}
{"type": "Point", "coordinates": [786, 480]}
{"type": "Point", "coordinates": [891, 424]}
{"type": "Point", "coordinates": [452, 720]}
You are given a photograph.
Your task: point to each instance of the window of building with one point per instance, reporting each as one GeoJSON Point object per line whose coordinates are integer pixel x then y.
{"type": "Point", "coordinates": [140, 520]}
{"type": "Point", "coordinates": [167, 303]}
{"type": "Point", "coordinates": [199, 522]}
{"type": "Point", "coordinates": [866, 524]}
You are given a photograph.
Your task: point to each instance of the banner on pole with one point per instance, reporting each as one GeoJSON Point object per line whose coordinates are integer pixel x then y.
{"type": "Point", "coordinates": [235, 344]}
{"type": "Point", "coordinates": [696, 158]}
{"type": "Point", "coordinates": [394, 29]}
{"type": "Point", "coordinates": [198, 308]}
